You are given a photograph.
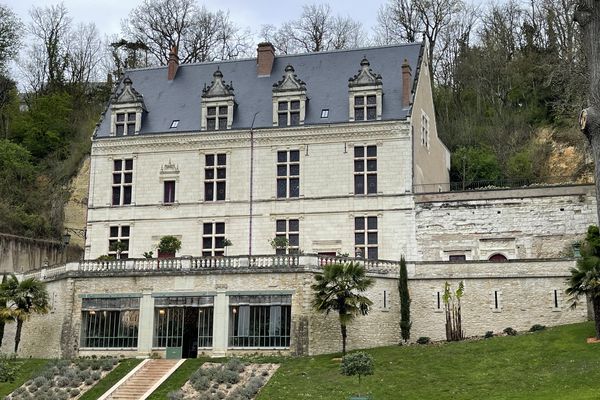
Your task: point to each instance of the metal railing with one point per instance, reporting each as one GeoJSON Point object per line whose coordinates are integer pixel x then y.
{"type": "Point", "coordinates": [500, 184]}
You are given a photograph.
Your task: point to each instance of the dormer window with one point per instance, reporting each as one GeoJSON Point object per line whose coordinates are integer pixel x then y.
{"type": "Point", "coordinates": [126, 111]}
{"type": "Point", "coordinates": [365, 94]}
{"type": "Point", "coordinates": [289, 100]}
{"type": "Point", "coordinates": [288, 113]}
{"type": "Point", "coordinates": [218, 103]}
{"type": "Point", "coordinates": [125, 124]}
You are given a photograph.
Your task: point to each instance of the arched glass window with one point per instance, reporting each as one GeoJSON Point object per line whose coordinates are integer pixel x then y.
{"type": "Point", "coordinates": [497, 257]}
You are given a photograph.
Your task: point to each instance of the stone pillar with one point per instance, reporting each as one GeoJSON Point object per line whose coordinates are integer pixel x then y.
{"type": "Point", "coordinates": [220, 324]}
{"type": "Point", "coordinates": [146, 323]}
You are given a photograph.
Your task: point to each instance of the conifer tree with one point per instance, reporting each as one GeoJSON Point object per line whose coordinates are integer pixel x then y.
{"type": "Point", "coordinates": [405, 322]}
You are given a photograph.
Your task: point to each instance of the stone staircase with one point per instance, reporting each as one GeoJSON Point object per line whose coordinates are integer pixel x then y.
{"type": "Point", "coordinates": [143, 380]}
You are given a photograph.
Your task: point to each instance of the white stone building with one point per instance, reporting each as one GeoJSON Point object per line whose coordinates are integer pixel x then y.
{"type": "Point", "coordinates": [328, 150]}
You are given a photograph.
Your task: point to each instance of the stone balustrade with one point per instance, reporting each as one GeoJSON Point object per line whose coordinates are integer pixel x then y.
{"type": "Point", "coordinates": [197, 264]}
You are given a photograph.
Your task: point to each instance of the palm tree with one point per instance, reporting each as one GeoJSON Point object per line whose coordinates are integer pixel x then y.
{"type": "Point", "coordinates": [338, 288]}
{"type": "Point", "coordinates": [22, 299]}
{"type": "Point", "coordinates": [585, 278]}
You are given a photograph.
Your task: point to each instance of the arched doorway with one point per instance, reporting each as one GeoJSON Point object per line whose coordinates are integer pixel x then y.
{"type": "Point", "coordinates": [497, 257]}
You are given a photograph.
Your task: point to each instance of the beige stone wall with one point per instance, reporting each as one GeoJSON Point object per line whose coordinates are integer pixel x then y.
{"type": "Point", "coordinates": [526, 295]}
{"type": "Point", "coordinates": [76, 207]}
{"type": "Point", "coordinates": [432, 160]}
{"type": "Point", "coordinates": [526, 223]}
{"type": "Point", "coordinates": [21, 254]}
{"type": "Point", "coordinates": [326, 207]}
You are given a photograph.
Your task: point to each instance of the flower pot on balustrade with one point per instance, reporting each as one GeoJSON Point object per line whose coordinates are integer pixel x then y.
{"type": "Point", "coordinates": [166, 254]}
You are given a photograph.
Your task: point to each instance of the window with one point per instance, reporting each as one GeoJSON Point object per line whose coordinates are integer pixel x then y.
{"type": "Point", "coordinates": [288, 173]}
{"type": "Point", "coordinates": [288, 113]}
{"type": "Point", "coordinates": [169, 192]}
{"type": "Point", "coordinates": [424, 130]}
{"type": "Point", "coordinates": [365, 169]}
{"type": "Point", "coordinates": [365, 108]}
{"type": "Point", "coordinates": [325, 113]}
{"type": "Point", "coordinates": [496, 301]}
{"type": "Point", "coordinates": [214, 176]}
{"type": "Point", "coordinates": [498, 257]}
{"type": "Point", "coordinates": [118, 242]}
{"type": "Point", "coordinates": [110, 322]}
{"type": "Point", "coordinates": [290, 230]}
{"type": "Point", "coordinates": [170, 314]}
{"type": "Point", "coordinates": [216, 118]}
{"type": "Point", "coordinates": [213, 237]}
{"type": "Point", "coordinates": [555, 300]}
{"type": "Point", "coordinates": [385, 303]}
{"type": "Point", "coordinates": [457, 257]}
{"type": "Point", "coordinates": [175, 123]}
{"type": "Point", "coordinates": [365, 237]}
{"type": "Point", "coordinates": [260, 321]}
{"type": "Point", "coordinates": [125, 123]}
{"type": "Point", "coordinates": [438, 301]}
{"type": "Point", "coordinates": [122, 182]}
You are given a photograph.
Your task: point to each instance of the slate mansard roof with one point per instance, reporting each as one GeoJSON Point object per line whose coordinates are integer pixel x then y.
{"type": "Point", "coordinates": [326, 76]}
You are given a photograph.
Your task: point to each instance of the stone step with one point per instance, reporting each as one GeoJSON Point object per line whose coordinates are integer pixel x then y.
{"type": "Point", "coordinates": [143, 380]}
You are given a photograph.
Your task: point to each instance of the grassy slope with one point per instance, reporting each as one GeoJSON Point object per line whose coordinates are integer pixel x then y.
{"type": "Point", "coordinates": [555, 364]}
{"type": "Point", "coordinates": [27, 369]}
{"type": "Point", "coordinates": [109, 380]}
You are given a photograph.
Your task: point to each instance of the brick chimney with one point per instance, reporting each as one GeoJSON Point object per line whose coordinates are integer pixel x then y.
{"type": "Point", "coordinates": [406, 83]}
{"type": "Point", "coordinates": [173, 63]}
{"type": "Point", "coordinates": [265, 58]}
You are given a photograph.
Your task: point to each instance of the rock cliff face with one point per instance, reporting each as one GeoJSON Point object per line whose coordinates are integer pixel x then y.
{"type": "Point", "coordinates": [569, 154]}
{"type": "Point", "coordinates": [76, 208]}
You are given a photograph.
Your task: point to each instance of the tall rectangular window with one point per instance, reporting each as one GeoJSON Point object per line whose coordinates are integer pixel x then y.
{"type": "Point", "coordinates": [365, 107]}
{"type": "Point", "coordinates": [213, 237]}
{"type": "Point", "coordinates": [122, 182]}
{"type": "Point", "coordinates": [216, 118]}
{"type": "Point", "coordinates": [288, 173]}
{"type": "Point", "coordinates": [214, 176]}
{"type": "Point", "coordinates": [365, 237]}
{"type": "Point", "coordinates": [118, 242]}
{"type": "Point", "coordinates": [260, 321]}
{"type": "Point", "coordinates": [290, 230]}
{"type": "Point", "coordinates": [169, 192]}
{"type": "Point", "coordinates": [288, 113]}
{"type": "Point", "coordinates": [110, 322]}
{"type": "Point", "coordinates": [125, 124]}
{"type": "Point", "coordinates": [424, 130]}
{"type": "Point", "coordinates": [365, 169]}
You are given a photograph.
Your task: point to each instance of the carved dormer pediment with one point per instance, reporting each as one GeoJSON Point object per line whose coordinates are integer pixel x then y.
{"type": "Point", "coordinates": [169, 168]}
{"type": "Point", "coordinates": [290, 82]}
{"type": "Point", "coordinates": [218, 87]}
{"type": "Point", "coordinates": [365, 76]}
{"type": "Point", "coordinates": [129, 95]}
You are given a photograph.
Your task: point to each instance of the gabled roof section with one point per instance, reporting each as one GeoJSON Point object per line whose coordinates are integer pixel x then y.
{"type": "Point", "coordinates": [290, 82]}
{"type": "Point", "coordinates": [324, 75]}
{"type": "Point", "coordinates": [365, 76]}
{"type": "Point", "coordinates": [128, 94]}
{"type": "Point", "coordinates": [218, 88]}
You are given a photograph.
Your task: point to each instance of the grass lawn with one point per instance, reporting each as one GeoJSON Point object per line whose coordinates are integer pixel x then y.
{"type": "Point", "coordinates": [178, 378]}
{"type": "Point", "coordinates": [109, 380]}
{"type": "Point", "coordinates": [27, 369]}
{"type": "Point", "coordinates": [553, 364]}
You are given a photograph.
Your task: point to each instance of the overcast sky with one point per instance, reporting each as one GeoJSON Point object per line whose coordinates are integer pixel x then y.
{"type": "Point", "coordinates": [107, 14]}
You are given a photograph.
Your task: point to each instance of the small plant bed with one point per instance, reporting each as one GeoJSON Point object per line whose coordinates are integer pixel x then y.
{"type": "Point", "coordinates": [233, 380]}
{"type": "Point", "coordinates": [64, 379]}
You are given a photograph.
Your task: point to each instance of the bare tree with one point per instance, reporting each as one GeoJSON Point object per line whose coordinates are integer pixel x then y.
{"type": "Point", "coordinates": [85, 51]}
{"type": "Point", "coordinates": [587, 14]}
{"type": "Point", "coordinates": [10, 32]}
{"type": "Point", "coordinates": [317, 29]}
{"type": "Point", "coordinates": [50, 27]}
{"type": "Point", "coordinates": [200, 35]}
{"type": "Point", "coordinates": [410, 20]}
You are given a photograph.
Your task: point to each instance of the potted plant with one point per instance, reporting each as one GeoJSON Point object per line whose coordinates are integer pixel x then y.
{"type": "Point", "coordinates": [168, 246]}
{"type": "Point", "coordinates": [226, 244]}
{"type": "Point", "coordinates": [279, 244]}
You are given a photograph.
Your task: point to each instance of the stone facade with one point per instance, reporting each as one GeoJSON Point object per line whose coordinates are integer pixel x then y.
{"type": "Point", "coordinates": [525, 296]}
{"type": "Point", "coordinates": [22, 254]}
{"type": "Point", "coordinates": [517, 223]}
